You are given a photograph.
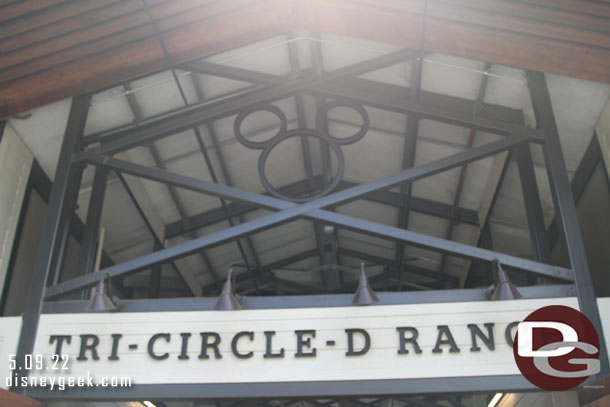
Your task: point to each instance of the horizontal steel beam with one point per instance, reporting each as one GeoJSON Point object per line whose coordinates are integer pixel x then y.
{"type": "Point", "coordinates": [198, 114]}
{"type": "Point", "coordinates": [498, 120]}
{"type": "Point", "coordinates": [230, 72]}
{"type": "Point", "coordinates": [312, 301]}
{"type": "Point", "coordinates": [393, 99]}
{"type": "Point", "coordinates": [290, 211]}
{"type": "Point", "coordinates": [490, 111]}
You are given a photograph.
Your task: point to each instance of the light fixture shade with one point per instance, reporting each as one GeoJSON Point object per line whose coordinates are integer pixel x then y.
{"type": "Point", "coordinates": [102, 299]}
{"type": "Point", "coordinates": [364, 293]}
{"type": "Point", "coordinates": [503, 288]}
{"type": "Point", "coordinates": [228, 300]}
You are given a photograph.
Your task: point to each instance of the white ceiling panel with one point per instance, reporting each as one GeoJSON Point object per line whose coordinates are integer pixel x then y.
{"type": "Point", "coordinates": [366, 244]}
{"type": "Point", "coordinates": [375, 156]}
{"type": "Point", "coordinates": [126, 236]}
{"type": "Point", "coordinates": [242, 162]}
{"type": "Point", "coordinates": [284, 240]}
{"type": "Point", "coordinates": [428, 225]}
{"type": "Point", "coordinates": [109, 109]}
{"type": "Point", "coordinates": [194, 202]}
{"type": "Point", "coordinates": [338, 52]}
{"type": "Point", "coordinates": [440, 187]}
{"type": "Point", "coordinates": [453, 76]}
{"type": "Point", "coordinates": [423, 258]}
{"type": "Point", "coordinates": [507, 86]}
{"type": "Point", "coordinates": [156, 93]}
{"type": "Point", "coordinates": [370, 211]}
{"type": "Point", "coordinates": [443, 133]}
{"type": "Point", "coordinates": [177, 145]}
{"type": "Point", "coordinates": [216, 86]}
{"type": "Point", "coordinates": [224, 256]}
{"type": "Point", "coordinates": [510, 207]}
{"type": "Point", "coordinates": [477, 175]}
{"type": "Point", "coordinates": [399, 74]}
{"type": "Point", "coordinates": [157, 191]}
{"type": "Point", "coordinates": [269, 56]}
{"type": "Point", "coordinates": [510, 240]}
{"type": "Point", "coordinates": [577, 105]}
{"type": "Point", "coordinates": [301, 43]}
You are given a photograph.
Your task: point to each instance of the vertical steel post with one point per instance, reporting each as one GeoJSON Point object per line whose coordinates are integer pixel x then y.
{"type": "Point", "coordinates": [541, 248]}
{"type": "Point", "coordinates": [58, 213]}
{"type": "Point", "coordinates": [565, 206]}
{"type": "Point", "coordinates": [90, 242]}
{"type": "Point", "coordinates": [154, 281]}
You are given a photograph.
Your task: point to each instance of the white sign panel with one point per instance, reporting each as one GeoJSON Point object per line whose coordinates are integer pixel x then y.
{"type": "Point", "coordinates": [288, 345]}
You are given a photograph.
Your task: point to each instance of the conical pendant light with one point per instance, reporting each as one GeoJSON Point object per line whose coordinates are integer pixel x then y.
{"type": "Point", "coordinates": [364, 293]}
{"type": "Point", "coordinates": [102, 299]}
{"type": "Point", "coordinates": [503, 289]}
{"type": "Point", "coordinates": [227, 300]}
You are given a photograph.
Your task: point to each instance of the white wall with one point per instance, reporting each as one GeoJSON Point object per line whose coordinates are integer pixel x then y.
{"type": "Point", "coordinates": [15, 165]}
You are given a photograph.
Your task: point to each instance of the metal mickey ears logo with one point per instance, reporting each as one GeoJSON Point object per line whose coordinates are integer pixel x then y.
{"type": "Point", "coordinates": [319, 132]}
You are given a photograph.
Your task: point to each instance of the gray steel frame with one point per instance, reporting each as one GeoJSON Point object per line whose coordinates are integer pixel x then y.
{"type": "Point", "coordinates": [331, 84]}
{"type": "Point", "coordinates": [566, 207]}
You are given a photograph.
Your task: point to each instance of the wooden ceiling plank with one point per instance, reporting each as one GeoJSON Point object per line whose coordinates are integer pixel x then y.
{"type": "Point", "coordinates": [169, 17]}
{"type": "Point", "coordinates": [62, 57]}
{"type": "Point", "coordinates": [69, 25]}
{"type": "Point", "coordinates": [353, 20]}
{"type": "Point", "coordinates": [535, 13]}
{"type": "Point", "coordinates": [524, 51]}
{"type": "Point", "coordinates": [68, 41]}
{"type": "Point", "coordinates": [93, 72]}
{"type": "Point", "coordinates": [490, 18]}
{"type": "Point", "coordinates": [172, 7]}
{"type": "Point", "coordinates": [230, 30]}
{"type": "Point", "coordinates": [50, 15]}
{"type": "Point", "coordinates": [108, 37]}
{"type": "Point", "coordinates": [132, 14]}
{"type": "Point", "coordinates": [574, 6]}
{"type": "Point", "coordinates": [140, 57]}
{"type": "Point", "coordinates": [195, 32]}
{"type": "Point", "coordinates": [19, 8]}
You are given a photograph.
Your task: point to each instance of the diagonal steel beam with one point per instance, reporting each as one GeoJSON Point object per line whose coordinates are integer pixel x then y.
{"type": "Point", "coordinates": [141, 200]}
{"type": "Point", "coordinates": [389, 198]}
{"type": "Point", "coordinates": [289, 211]}
{"type": "Point", "coordinates": [230, 72]}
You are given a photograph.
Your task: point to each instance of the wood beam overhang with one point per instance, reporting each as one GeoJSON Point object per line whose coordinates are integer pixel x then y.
{"type": "Point", "coordinates": [58, 50]}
